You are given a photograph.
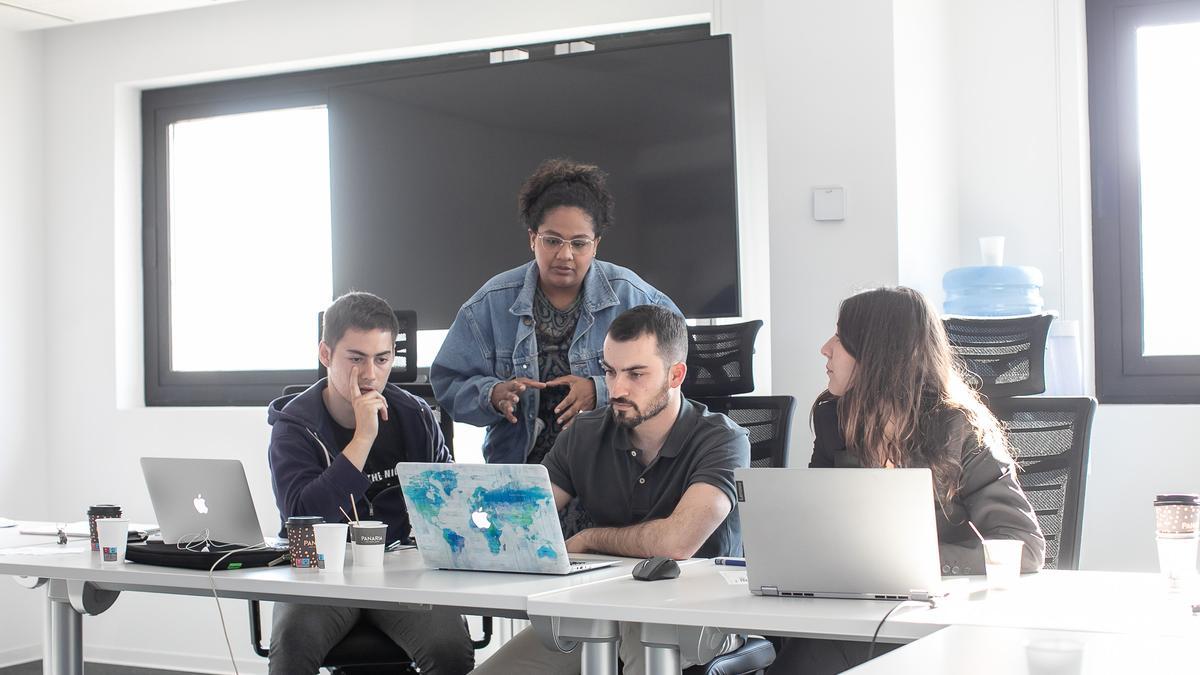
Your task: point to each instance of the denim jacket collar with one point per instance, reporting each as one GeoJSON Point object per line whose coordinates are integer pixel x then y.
{"type": "Point", "coordinates": [598, 293]}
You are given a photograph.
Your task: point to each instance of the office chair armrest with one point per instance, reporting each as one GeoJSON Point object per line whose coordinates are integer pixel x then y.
{"type": "Point", "coordinates": [256, 630]}
{"type": "Point", "coordinates": [487, 634]}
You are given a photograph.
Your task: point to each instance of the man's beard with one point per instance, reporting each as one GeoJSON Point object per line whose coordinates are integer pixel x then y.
{"type": "Point", "coordinates": [637, 416]}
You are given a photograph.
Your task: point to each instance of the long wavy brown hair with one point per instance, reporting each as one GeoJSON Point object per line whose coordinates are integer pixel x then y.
{"type": "Point", "coordinates": [901, 403]}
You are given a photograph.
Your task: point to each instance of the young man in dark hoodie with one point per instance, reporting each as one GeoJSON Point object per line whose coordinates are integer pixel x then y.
{"type": "Point", "coordinates": [342, 437]}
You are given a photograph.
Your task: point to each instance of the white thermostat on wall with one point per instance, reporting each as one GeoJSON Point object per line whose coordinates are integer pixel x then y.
{"type": "Point", "coordinates": [829, 202]}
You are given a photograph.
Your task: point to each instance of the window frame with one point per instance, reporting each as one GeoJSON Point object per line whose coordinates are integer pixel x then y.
{"type": "Point", "coordinates": [162, 107]}
{"type": "Point", "coordinates": [1124, 374]}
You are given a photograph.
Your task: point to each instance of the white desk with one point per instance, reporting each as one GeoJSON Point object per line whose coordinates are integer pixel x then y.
{"type": "Point", "coordinates": [691, 614]}
{"type": "Point", "coordinates": [1001, 651]}
{"type": "Point", "coordinates": [78, 583]}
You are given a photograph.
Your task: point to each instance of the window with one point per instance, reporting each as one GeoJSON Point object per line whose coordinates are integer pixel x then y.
{"type": "Point", "coordinates": [249, 208]}
{"type": "Point", "coordinates": [1145, 107]}
{"type": "Point", "coordinates": [243, 211]}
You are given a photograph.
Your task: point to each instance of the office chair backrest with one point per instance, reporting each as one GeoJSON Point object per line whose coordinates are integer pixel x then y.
{"type": "Point", "coordinates": [404, 368]}
{"type": "Point", "coordinates": [767, 418]}
{"type": "Point", "coordinates": [1007, 355]}
{"type": "Point", "coordinates": [1048, 437]}
{"type": "Point", "coordinates": [720, 359]}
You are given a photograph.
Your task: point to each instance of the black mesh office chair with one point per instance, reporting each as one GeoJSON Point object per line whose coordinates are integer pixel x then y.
{"type": "Point", "coordinates": [1007, 355]}
{"type": "Point", "coordinates": [720, 359]}
{"type": "Point", "coordinates": [1048, 437]}
{"type": "Point", "coordinates": [767, 418]}
{"type": "Point", "coordinates": [365, 650]}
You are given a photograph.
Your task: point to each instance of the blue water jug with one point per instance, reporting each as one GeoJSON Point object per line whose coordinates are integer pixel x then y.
{"type": "Point", "coordinates": [995, 290]}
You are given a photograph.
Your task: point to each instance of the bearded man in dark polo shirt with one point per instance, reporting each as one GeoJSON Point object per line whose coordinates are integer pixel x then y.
{"type": "Point", "coordinates": [652, 471]}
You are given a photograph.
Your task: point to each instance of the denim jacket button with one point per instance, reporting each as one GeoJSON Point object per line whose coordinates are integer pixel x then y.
{"type": "Point", "coordinates": [527, 321]}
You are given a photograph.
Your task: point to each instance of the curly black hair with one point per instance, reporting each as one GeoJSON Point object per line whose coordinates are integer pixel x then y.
{"type": "Point", "coordinates": [565, 182]}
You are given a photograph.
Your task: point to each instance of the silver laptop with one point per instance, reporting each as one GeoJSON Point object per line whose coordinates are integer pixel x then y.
{"type": "Point", "coordinates": [198, 499]}
{"type": "Point", "coordinates": [488, 517]}
{"type": "Point", "coordinates": [839, 533]}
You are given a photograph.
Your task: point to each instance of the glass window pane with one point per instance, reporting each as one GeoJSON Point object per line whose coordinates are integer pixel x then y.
{"type": "Point", "coordinates": [250, 239]}
{"type": "Point", "coordinates": [1168, 58]}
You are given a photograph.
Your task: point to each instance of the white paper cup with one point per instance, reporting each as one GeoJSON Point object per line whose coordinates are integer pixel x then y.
{"type": "Point", "coordinates": [1003, 558]}
{"type": "Point", "coordinates": [113, 535]}
{"type": "Point", "coordinates": [1054, 657]}
{"type": "Point", "coordinates": [1176, 560]}
{"type": "Point", "coordinates": [368, 543]}
{"type": "Point", "coordinates": [991, 250]}
{"type": "Point", "coordinates": [331, 545]}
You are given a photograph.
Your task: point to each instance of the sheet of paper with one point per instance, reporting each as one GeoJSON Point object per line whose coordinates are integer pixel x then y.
{"type": "Point", "coordinates": [735, 577]}
{"type": "Point", "coordinates": [78, 528]}
{"type": "Point", "coordinates": [74, 547]}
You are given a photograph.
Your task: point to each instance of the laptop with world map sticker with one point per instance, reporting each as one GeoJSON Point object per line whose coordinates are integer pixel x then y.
{"type": "Point", "coordinates": [489, 517]}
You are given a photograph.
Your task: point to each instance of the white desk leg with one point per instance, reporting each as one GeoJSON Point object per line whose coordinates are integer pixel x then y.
{"type": "Point", "coordinates": [64, 647]}
{"type": "Point", "coordinates": [661, 660]}
{"type": "Point", "coordinates": [665, 647]}
{"type": "Point", "coordinates": [599, 658]}
{"type": "Point", "coordinates": [598, 637]}
{"type": "Point", "coordinates": [66, 603]}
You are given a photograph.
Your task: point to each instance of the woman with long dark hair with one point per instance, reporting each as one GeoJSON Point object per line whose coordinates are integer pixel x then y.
{"type": "Point", "coordinates": [897, 398]}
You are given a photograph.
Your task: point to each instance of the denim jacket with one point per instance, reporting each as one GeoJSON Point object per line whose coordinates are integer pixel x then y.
{"type": "Point", "coordinates": [493, 339]}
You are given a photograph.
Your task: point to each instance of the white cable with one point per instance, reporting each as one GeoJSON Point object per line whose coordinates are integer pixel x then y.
{"type": "Point", "coordinates": [212, 581]}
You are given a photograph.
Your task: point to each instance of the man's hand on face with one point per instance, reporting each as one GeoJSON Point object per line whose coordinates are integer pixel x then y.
{"type": "Point", "coordinates": [507, 394]}
{"type": "Point", "coordinates": [368, 408]}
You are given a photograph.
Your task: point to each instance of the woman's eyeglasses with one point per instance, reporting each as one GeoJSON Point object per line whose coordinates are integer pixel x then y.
{"type": "Point", "coordinates": [579, 246]}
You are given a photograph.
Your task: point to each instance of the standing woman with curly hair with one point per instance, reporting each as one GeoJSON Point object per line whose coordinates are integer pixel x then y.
{"type": "Point", "coordinates": [523, 354]}
{"type": "Point", "coordinates": [896, 398]}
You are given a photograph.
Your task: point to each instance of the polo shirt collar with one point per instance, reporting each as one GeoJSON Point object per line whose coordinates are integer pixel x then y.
{"type": "Point", "coordinates": [679, 434]}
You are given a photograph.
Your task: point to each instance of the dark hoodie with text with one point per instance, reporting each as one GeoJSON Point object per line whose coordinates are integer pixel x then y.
{"type": "Point", "coordinates": [312, 478]}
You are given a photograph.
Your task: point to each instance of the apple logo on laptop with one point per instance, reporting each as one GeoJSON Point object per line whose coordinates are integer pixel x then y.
{"type": "Point", "coordinates": [199, 503]}
{"type": "Point", "coordinates": [480, 519]}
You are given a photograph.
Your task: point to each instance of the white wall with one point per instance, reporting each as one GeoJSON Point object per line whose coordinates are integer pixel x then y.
{"type": "Point", "coordinates": [30, 365]}
{"type": "Point", "coordinates": [830, 121]}
{"type": "Point", "coordinates": [926, 145]}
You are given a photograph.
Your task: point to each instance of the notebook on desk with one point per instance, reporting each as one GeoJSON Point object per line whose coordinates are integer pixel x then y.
{"type": "Point", "coordinates": [487, 517]}
{"type": "Point", "coordinates": [80, 529]}
{"type": "Point", "coordinates": [839, 533]}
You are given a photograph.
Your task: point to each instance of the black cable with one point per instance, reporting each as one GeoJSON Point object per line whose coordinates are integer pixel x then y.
{"type": "Point", "coordinates": [875, 635]}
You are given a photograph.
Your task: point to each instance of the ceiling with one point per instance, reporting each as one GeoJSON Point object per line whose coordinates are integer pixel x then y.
{"type": "Point", "coordinates": [39, 14]}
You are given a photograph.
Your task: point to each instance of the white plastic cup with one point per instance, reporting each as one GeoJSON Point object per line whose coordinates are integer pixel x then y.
{"type": "Point", "coordinates": [1003, 562]}
{"type": "Point", "coordinates": [113, 536]}
{"type": "Point", "coordinates": [1054, 657]}
{"type": "Point", "coordinates": [368, 541]}
{"type": "Point", "coordinates": [331, 545]}
{"type": "Point", "coordinates": [991, 250]}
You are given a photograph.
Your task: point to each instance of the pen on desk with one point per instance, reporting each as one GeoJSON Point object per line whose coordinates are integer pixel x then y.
{"type": "Point", "coordinates": [729, 562]}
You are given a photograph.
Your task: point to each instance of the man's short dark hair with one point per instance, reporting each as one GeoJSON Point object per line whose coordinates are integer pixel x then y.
{"type": "Point", "coordinates": [563, 182]}
{"type": "Point", "coordinates": [667, 327]}
{"type": "Point", "coordinates": [358, 310]}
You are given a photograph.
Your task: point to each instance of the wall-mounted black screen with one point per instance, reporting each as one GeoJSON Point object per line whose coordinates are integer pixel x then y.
{"type": "Point", "coordinates": [425, 171]}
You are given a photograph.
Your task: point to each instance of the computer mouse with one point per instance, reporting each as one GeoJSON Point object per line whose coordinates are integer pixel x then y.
{"type": "Point", "coordinates": [656, 568]}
